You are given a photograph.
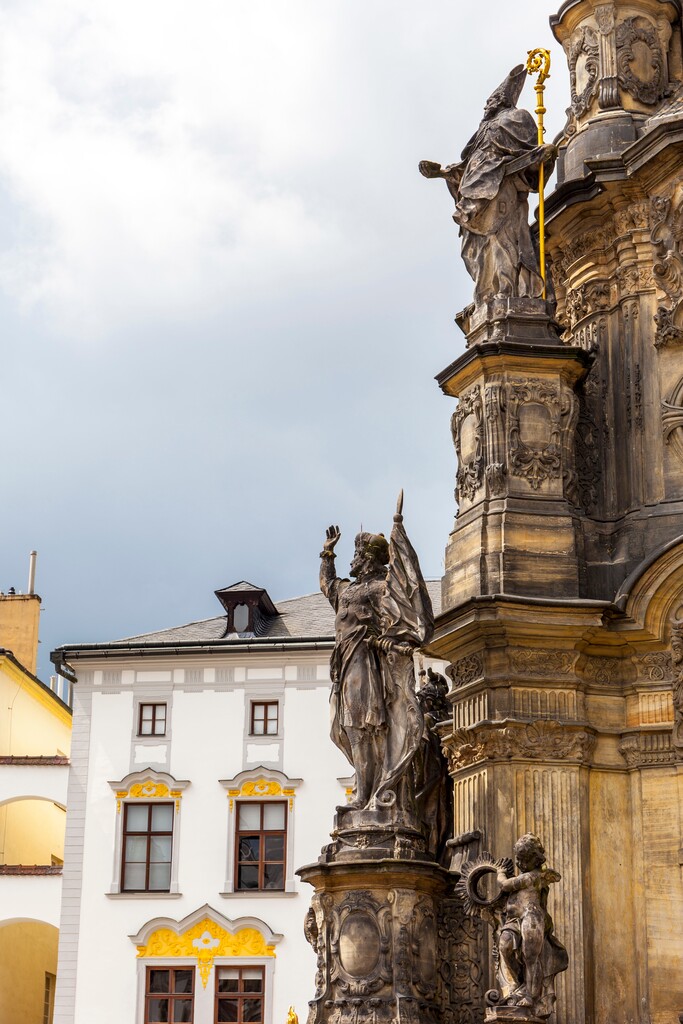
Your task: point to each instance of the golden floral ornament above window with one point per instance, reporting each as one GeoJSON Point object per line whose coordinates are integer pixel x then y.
{"type": "Point", "coordinates": [206, 935]}
{"type": "Point", "coordinates": [259, 784]}
{"type": "Point", "coordinates": [149, 785]}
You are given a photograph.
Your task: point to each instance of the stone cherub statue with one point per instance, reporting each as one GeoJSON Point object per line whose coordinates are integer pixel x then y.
{"type": "Point", "coordinates": [382, 616]}
{"type": "Point", "coordinates": [527, 954]}
{"type": "Point", "coordinates": [498, 168]}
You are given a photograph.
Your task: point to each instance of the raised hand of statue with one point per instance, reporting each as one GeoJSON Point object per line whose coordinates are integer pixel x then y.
{"type": "Point", "coordinates": [332, 535]}
{"type": "Point", "coordinates": [429, 169]}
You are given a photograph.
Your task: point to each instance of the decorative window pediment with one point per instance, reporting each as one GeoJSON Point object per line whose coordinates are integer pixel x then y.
{"type": "Point", "coordinates": [149, 785]}
{"type": "Point", "coordinates": [205, 936]}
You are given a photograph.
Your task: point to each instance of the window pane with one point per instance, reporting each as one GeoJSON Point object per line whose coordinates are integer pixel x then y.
{"type": "Point", "coordinates": [182, 981]}
{"type": "Point", "coordinates": [162, 818]}
{"type": "Point", "coordinates": [136, 849]}
{"type": "Point", "coordinates": [274, 876]}
{"type": "Point", "coordinates": [272, 719]}
{"type": "Point", "coordinates": [228, 978]}
{"type": "Point", "coordinates": [274, 816]}
{"type": "Point", "coordinates": [159, 877]}
{"type": "Point", "coordinates": [227, 1010]}
{"type": "Point", "coordinates": [182, 1009]}
{"type": "Point", "coordinates": [275, 848]}
{"type": "Point", "coordinates": [249, 848]}
{"type": "Point", "coordinates": [160, 849]}
{"type": "Point", "coordinates": [259, 728]}
{"type": "Point", "coordinates": [134, 877]}
{"type": "Point", "coordinates": [157, 1010]}
{"type": "Point", "coordinates": [259, 711]}
{"type": "Point", "coordinates": [247, 877]}
{"type": "Point", "coordinates": [252, 1010]}
{"type": "Point", "coordinates": [249, 817]}
{"type": "Point", "coordinates": [145, 728]}
{"type": "Point", "coordinates": [137, 817]}
{"type": "Point", "coordinates": [252, 984]}
{"type": "Point", "coordinates": [158, 981]}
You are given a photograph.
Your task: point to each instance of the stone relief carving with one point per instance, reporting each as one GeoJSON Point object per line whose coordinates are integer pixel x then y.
{"type": "Point", "coordinates": [667, 269]}
{"type": "Point", "coordinates": [541, 663]}
{"type": "Point", "coordinates": [583, 56]}
{"type": "Point", "coordinates": [677, 665]}
{"type": "Point", "coordinates": [587, 445]}
{"type": "Point", "coordinates": [655, 667]}
{"type": "Point", "coordinates": [360, 943]}
{"type": "Point", "coordinates": [644, 749]}
{"type": "Point", "coordinates": [640, 61]}
{"type": "Point", "coordinates": [466, 669]}
{"type": "Point", "coordinates": [604, 15]}
{"type": "Point", "coordinates": [672, 420]}
{"type": "Point", "coordinates": [461, 972]}
{"type": "Point", "coordinates": [539, 413]}
{"type": "Point", "coordinates": [471, 463]}
{"type": "Point", "coordinates": [604, 670]}
{"type": "Point", "coordinates": [541, 740]}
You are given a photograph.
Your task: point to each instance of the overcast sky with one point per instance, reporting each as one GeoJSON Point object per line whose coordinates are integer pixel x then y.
{"type": "Point", "coordinates": [225, 289]}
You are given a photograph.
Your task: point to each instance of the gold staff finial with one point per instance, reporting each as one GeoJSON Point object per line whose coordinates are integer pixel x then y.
{"type": "Point", "coordinates": [292, 1017]}
{"type": "Point", "coordinates": [538, 63]}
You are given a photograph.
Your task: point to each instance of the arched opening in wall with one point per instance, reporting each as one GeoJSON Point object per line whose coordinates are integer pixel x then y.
{"type": "Point", "coordinates": [31, 833]}
{"type": "Point", "coordinates": [28, 970]}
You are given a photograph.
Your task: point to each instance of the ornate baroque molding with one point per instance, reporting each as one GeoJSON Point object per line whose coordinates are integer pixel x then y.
{"type": "Point", "coordinates": [535, 741]}
{"type": "Point", "coordinates": [647, 749]}
{"type": "Point", "coordinates": [528, 662]}
{"type": "Point", "coordinates": [465, 670]}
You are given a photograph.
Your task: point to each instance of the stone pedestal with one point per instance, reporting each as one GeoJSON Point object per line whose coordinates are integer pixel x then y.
{"type": "Point", "coordinates": [510, 1015]}
{"type": "Point", "coordinates": [392, 944]}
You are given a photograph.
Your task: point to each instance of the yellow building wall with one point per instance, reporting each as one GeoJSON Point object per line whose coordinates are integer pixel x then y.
{"type": "Point", "coordinates": [19, 619]}
{"type": "Point", "coordinates": [27, 951]}
{"type": "Point", "coordinates": [32, 722]}
{"type": "Point", "coordinates": [31, 832]}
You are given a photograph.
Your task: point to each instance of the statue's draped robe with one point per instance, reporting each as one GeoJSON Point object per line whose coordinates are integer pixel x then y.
{"type": "Point", "coordinates": [374, 689]}
{"type": "Point", "coordinates": [498, 169]}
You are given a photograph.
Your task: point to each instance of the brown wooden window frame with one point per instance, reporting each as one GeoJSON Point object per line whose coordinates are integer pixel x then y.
{"type": "Point", "coordinates": [172, 996]}
{"type": "Point", "coordinates": [261, 833]}
{"type": "Point", "coordinates": [149, 834]}
{"type": "Point", "coordinates": [240, 996]}
{"type": "Point", "coordinates": [153, 705]}
{"type": "Point", "coordinates": [265, 704]}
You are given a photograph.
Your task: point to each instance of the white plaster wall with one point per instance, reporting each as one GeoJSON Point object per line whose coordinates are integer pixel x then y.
{"type": "Point", "coordinates": [46, 782]}
{"type": "Point", "coordinates": [30, 898]}
{"type": "Point", "coordinates": [207, 746]}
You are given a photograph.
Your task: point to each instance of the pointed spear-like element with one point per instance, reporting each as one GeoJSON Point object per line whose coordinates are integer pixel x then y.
{"type": "Point", "coordinates": [538, 63]}
{"type": "Point", "coordinates": [398, 518]}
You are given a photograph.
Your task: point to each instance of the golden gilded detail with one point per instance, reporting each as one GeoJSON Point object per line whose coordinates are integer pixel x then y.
{"type": "Point", "coordinates": [206, 941]}
{"type": "Point", "coordinates": [149, 790]}
{"type": "Point", "coordinates": [538, 63]}
{"type": "Point", "coordinates": [260, 787]}
{"type": "Point", "coordinates": [292, 1016]}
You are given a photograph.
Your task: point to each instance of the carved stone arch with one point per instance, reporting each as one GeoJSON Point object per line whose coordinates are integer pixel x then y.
{"type": "Point", "coordinates": [650, 597]}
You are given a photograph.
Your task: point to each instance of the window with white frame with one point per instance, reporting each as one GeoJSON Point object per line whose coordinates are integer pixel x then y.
{"type": "Point", "coordinates": [169, 995]}
{"type": "Point", "coordinates": [152, 720]}
{"type": "Point", "coordinates": [239, 995]}
{"type": "Point", "coordinates": [147, 847]}
{"type": "Point", "coordinates": [264, 718]}
{"type": "Point", "coordinates": [261, 839]}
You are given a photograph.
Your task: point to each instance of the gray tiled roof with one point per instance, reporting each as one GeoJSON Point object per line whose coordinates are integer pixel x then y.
{"type": "Point", "coordinates": [301, 617]}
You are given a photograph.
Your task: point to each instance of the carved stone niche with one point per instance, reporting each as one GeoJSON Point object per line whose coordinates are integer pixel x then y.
{"type": "Point", "coordinates": [541, 417]}
{"type": "Point", "coordinates": [467, 429]}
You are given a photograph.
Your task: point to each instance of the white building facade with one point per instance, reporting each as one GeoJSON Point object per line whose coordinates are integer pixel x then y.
{"type": "Point", "coordinates": [202, 776]}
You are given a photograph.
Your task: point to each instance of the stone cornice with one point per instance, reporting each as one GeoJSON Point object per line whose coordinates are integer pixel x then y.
{"type": "Point", "coordinates": [525, 740]}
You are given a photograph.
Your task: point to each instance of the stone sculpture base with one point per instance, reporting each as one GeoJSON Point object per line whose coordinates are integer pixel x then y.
{"type": "Point", "coordinates": [510, 1015]}
{"type": "Point", "coordinates": [388, 936]}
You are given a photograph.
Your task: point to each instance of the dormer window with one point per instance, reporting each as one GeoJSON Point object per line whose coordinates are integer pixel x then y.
{"type": "Point", "coordinates": [248, 609]}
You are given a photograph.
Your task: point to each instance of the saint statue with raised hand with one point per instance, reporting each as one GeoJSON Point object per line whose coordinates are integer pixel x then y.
{"type": "Point", "coordinates": [382, 616]}
{"type": "Point", "coordinates": [491, 184]}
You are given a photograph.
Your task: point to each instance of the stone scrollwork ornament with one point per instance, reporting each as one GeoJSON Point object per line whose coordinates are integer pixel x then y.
{"type": "Point", "coordinates": [583, 54]}
{"type": "Point", "coordinates": [527, 954]}
{"type": "Point", "coordinates": [535, 427]}
{"type": "Point", "coordinates": [471, 459]}
{"type": "Point", "coordinates": [639, 48]}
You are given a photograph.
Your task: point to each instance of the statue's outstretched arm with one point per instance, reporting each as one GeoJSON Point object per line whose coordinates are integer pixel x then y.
{"type": "Point", "coordinates": [328, 574]}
